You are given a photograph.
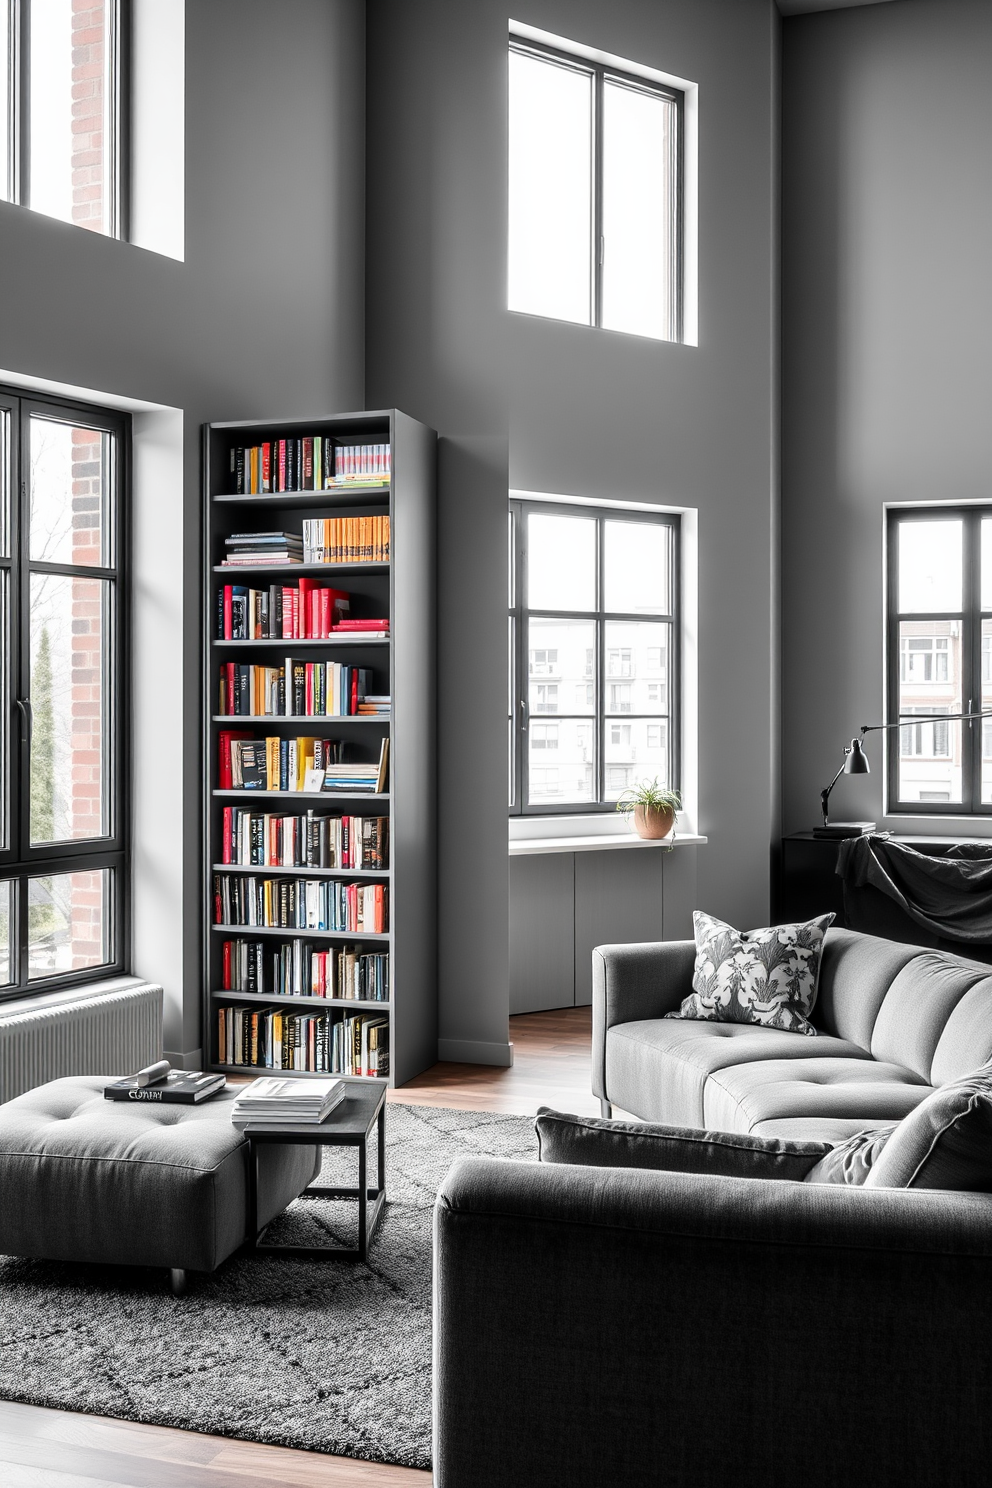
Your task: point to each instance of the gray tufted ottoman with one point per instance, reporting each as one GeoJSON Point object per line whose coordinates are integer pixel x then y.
{"type": "Point", "coordinates": [87, 1179]}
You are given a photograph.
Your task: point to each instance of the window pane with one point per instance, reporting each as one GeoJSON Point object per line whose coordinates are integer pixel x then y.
{"type": "Point", "coordinates": [986, 723]}
{"type": "Point", "coordinates": [930, 684]}
{"type": "Point", "coordinates": [69, 922]}
{"type": "Point", "coordinates": [550, 190]}
{"type": "Point", "coordinates": [638, 211]}
{"type": "Point", "coordinates": [70, 666]}
{"type": "Point", "coordinates": [70, 93]}
{"type": "Point", "coordinates": [561, 666]}
{"type": "Point", "coordinates": [636, 659]}
{"type": "Point", "coordinates": [930, 566]}
{"type": "Point", "coordinates": [986, 564]}
{"type": "Point", "coordinates": [636, 567]}
{"type": "Point", "coordinates": [561, 563]}
{"type": "Point", "coordinates": [71, 474]}
{"type": "Point", "coordinates": [6, 903]}
{"type": "Point", "coordinates": [634, 752]}
{"type": "Point", "coordinates": [6, 185]}
{"type": "Point", "coordinates": [561, 761]}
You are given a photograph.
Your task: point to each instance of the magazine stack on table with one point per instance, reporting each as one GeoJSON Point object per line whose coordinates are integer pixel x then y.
{"type": "Point", "coordinates": [286, 1105]}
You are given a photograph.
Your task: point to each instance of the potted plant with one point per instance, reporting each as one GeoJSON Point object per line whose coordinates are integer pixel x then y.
{"type": "Point", "coordinates": [653, 808]}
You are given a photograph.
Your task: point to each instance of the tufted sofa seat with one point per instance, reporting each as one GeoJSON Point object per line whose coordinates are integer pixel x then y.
{"type": "Point", "coordinates": [87, 1179]}
{"type": "Point", "coordinates": [893, 1022]}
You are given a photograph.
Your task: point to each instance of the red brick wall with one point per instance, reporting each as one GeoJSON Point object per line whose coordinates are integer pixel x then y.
{"type": "Point", "coordinates": [89, 58]}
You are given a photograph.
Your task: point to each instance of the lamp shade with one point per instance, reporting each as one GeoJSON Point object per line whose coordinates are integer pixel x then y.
{"type": "Point", "coordinates": [857, 761]}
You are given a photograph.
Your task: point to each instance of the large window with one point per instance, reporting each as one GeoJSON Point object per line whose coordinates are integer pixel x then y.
{"type": "Point", "coordinates": [62, 80]}
{"type": "Point", "coordinates": [595, 194]}
{"type": "Point", "coordinates": [593, 606]}
{"type": "Point", "coordinates": [63, 833]}
{"type": "Point", "coordinates": [940, 659]}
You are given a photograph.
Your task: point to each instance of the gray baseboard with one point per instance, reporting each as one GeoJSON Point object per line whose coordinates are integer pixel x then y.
{"type": "Point", "coordinates": [474, 1051]}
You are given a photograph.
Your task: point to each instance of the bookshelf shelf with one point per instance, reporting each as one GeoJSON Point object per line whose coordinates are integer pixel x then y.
{"type": "Point", "coordinates": [377, 875]}
{"type": "Point", "coordinates": [400, 666]}
{"type": "Point", "coordinates": [294, 569]}
{"type": "Point", "coordinates": [327, 797]}
{"type": "Point", "coordinates": [285, 645]}
{"type": "Point", "coordinates": [342, 936]}
{"type": "Point", "coordinates": [250, 1071]}
{"type": "Point", "coordinates": [237, 719]}
{"type": "Point", "coordinates": [358, 1005]}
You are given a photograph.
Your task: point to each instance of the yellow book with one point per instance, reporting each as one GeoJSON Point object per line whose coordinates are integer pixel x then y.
{"type": "Point", "coordinates": [271, 763]}
{"type": "Point", "coordinates": [304, 758]}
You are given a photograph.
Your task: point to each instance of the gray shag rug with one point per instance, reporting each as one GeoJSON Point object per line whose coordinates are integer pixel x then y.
{"type": "Point", "coordinates": [330, 1356]}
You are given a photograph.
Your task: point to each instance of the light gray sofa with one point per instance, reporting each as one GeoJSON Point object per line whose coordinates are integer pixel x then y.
{"type": "Point", "coordinates": [679, 1329]}
{"type": "Point", "coordinates": [893, 1021]}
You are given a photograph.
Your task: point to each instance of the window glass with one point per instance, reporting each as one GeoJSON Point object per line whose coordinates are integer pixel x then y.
{"type": "Point", "coordinates": [986, 559]}
{"type": "Point", "coordinates": [931, 566]}
{"type": "Point", "coordinates": [70, 93]}
{"type": "Point", "coordinates": [68, 922]}
{"type": "Point", "coordinates": [561, 563]}
{"type": "Point", "coordinates": [636, 566]}
{"type": "Point", "coordinates": [930, 754]}
{"type": "Point", "coordinates": [550, 195]}
{"type": "Point", "coordinates": [638, 218]}
{"type": "Point", "coordinates": [561, 762]}
{"type": "Point", "coordinates": [70, 480]}
{"type": "Point", "coordinates": [6, 143]}
{"type": "Point", "coordinates": [6, 913]}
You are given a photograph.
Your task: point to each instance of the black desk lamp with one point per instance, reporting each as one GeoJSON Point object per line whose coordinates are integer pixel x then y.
{"type": "Point", "coordinates": [856, 763]}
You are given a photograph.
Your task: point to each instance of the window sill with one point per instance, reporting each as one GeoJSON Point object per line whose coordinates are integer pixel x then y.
{"type": "Point", "coordinates": [33, 1002]}
{"type": "Point", "coordinates": [604, 842]}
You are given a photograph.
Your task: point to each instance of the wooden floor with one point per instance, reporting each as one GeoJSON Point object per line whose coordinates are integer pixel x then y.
{"type": "Point", "coordinates": [59, 1449]}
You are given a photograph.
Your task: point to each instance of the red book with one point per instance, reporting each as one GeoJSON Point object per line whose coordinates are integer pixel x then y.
{"type": "Point", "coordinates": [228, 853]}
{"type": "Point", "coordinates": [225, 975]}
{"type": "Point", "coordinates": [228, 607]}
{"type": "Point", "coordinates": [325, 613]}
{"type": "Point", "coordinates": [287, 614]}
{"type": "Point", "coordinates": [307, 587]}
{"type": "Point", "coordinates": [225, 739]}
{"type": "Point", "coordinates": [231, 687]}
{"type": "Point", "coordinates": [354, 691]}
{"type": "Point", "coordinates": [360, 625]}
{"type": "Point", "coordinates": [266, 468]}
{"type": "Point", "coordinates": [282, 464]}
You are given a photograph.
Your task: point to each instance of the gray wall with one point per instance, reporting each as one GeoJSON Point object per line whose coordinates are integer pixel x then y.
{"type": "Point", "coordinates": [579, 411]}
{"type": "Point", "coordinates": [266, 314]}
{"type": "Point", "coordinates": [887, 246]}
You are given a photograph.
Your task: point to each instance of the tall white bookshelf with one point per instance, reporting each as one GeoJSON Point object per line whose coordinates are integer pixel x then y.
{"type": "Point", "coordinates": [402, 667]}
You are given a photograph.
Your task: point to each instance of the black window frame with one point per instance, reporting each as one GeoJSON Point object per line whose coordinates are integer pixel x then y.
{"type": "Point", "coordinates": [18, 124]}
{"type": "Point", "coordinates": [600, 73]}
{"type": "Point", "coordinates": [19, 860]}
{"type": "Point", "coordinates": [970, 616]}
{"type": "Point", "coordinates": [520, 715]}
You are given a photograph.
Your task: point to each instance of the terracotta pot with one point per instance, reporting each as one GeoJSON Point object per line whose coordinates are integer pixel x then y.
{"type": "Point", "coordinates": [653, 822]}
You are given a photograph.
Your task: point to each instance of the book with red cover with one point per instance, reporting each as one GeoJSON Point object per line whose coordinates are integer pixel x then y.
{"type": "Point", "coordinates": [225, 739]}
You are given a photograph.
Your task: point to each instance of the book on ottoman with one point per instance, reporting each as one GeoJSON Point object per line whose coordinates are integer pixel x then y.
{"type": "Point", "coordinates": [178, 1088]}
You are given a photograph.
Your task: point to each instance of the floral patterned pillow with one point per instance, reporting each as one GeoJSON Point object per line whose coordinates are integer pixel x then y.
{"type": "Point", "coordinates": [768, 977]}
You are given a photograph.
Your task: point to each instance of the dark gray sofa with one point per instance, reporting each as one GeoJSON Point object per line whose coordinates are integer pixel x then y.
{"type": "Point", "coordinates": [600, 1325]}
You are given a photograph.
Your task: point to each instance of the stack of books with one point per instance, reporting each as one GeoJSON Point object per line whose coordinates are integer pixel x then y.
{"type": "Point", "coordinates": [359, 777]}
{"type": "Point", "coordinates": [375, 705]}
{"type": "Point", "coordinates": [262, 547]}
{"type": "Point", "coordinates": [371, 628]}
{"type": "Point", "coordinates": [286, 1105]}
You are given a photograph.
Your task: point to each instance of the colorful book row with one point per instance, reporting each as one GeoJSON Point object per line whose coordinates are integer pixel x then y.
{"type": "Point", "coordinates": [318, 1042]}
{"type": "Point", "coordinates": [308, 462]}
{"type": "Point", "coordinates": [318, 689]}
{"type": "Point", "coordinates": [298, 969]}
{"type": "Point", "coordinates": [262, 839]}
{"type": "Point", "coordinates": [301, 904]}
{"type": "Point", "coordinates": [346, 540]}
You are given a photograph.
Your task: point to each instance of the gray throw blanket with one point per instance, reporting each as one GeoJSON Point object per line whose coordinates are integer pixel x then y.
{"type": "Point", "coordinates": [950, 894]}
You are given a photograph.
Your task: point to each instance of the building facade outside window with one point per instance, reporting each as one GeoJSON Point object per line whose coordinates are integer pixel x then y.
{"type": "Point", "coordinates": [939, 658]}
{"type": "Point", "coordinates": [64, 66]}
{"type": "Point", "coordinates": [597, 590]}
{"type": "Point", "coordinates": [596, 164]}
{"type": "Point", "coordinates": [64, 890]}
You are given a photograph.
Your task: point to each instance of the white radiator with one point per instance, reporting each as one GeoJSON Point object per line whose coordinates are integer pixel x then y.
{"type": "Point", "coordinates": [110, 1032]}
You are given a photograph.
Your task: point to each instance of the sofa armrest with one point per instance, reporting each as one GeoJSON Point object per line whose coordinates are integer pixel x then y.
{"type": "Point", "coordinates": [597, 1326]}
{"type": "Point", "coordinates": [632, 982]}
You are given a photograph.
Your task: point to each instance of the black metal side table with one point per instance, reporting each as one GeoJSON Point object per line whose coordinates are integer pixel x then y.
{"type": "Point", "coordinates": [349, 1125]}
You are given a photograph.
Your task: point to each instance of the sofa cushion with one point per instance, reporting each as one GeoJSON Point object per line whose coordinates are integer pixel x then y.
{"type": "Point", "coordinates": [915, 1010]}
{"type": "Point", "coordinates": [945, 1143]}
{"type": "Point", "coordinates": [856, 971]}
{"type": "Point", "coordinates": [658, 1067]}
{"type": "Point", "coordinates": [765, 976]}
{"type": "Point", "coordinates": [851, 1161]}
{"type": "Point", "coordinates": [832, 1129]}
{"type": "Point", "coordinates": [966, 1040]}
{"type": "Point", "coordinates": [741, 1098]}
{"type": "Point", "coordinates": [590, 1142]}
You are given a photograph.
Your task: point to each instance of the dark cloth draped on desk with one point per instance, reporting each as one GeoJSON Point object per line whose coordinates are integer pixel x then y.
{"type": "Point", "coordinates": [949, 893]}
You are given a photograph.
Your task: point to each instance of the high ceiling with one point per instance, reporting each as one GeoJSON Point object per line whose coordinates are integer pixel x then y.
{"type": "Point", "coordinates": [805, 7]}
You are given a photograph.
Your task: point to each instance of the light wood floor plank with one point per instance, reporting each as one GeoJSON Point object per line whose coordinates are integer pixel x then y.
{"type": "Point", "coordinates": [42, 1448]}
